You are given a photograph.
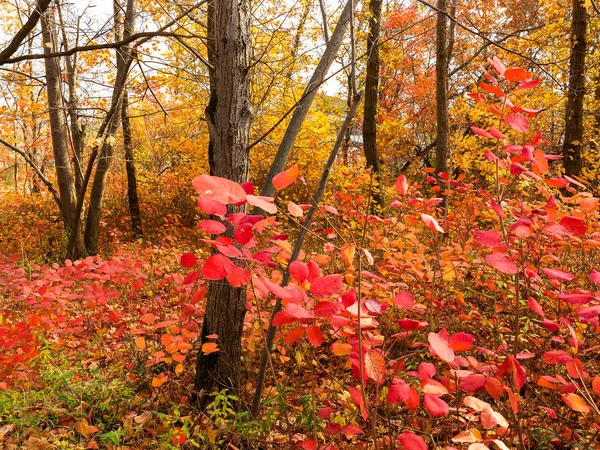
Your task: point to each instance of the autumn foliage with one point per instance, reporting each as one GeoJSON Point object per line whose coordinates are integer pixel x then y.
{"type": "Point", "coordinates": [463, 313]}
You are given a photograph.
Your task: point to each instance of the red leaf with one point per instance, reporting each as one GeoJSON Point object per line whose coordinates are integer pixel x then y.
{"type": "Point", "coordinates": [461, 342]}
{"type": "Point", "coordinates": [492, 89]}
{"type": "Point", "coordinates": [490, 238]}
{"type": "Point", "coordinates": [188, 260]}
{"type": "Point", "coordinates": [431, 223]}
{"type": "Point", "coordinates": [352, 430]}
{"type": "Point", "coordinates": [441, 347]}
{"type": "Point", "coordinates": [328, 309]}
{"type": "Point", "coordinates": [326, 286]}
{"type": "Point", "coordinates": [212, 227]}
{"type": "Point", "coordinates": [435, 406]}
{"type": "Point", "coordinates": [264, 203]}
{"type": "Point", "coordinates": [314, 335]}
{"type": "Point", "coordinates": [409, 324]}
{"type": "Point", "coordinates": [511, 365]}
{"type": "Point", "coordinates": [574, 225]}
{"type": "Point", "coordinates": [559, 275]}
{"type": "Point", "coordinates": [211, 207]}
{"type": "Point", "coordinates": [481, 132]}
{"type": "Point", "coordinates": [497, 65]}
{"type": "Point", "coordinates": [530, 84]}
{"type": "Point", "coordinates": [357, 398]}
{"type": "Point", "coordinates": [216, 267]}
{"type": "Point", "coordinates": [219, 189]}
{"type": "Point", "coordinates": [191, 277]}
{"type": "Point", "coordinates": [299, 271]}
{"type": "Point", "coordinates": [576, 299]}
{"type": "Point", "coordinates": [473, 383]}
{"type": "Point", "coordinates": [501, 262]}
{"type": "Point", "coordinates": [535, 306]}
{"type": "Point", "coordinates": [410, 441]}
{"type": "Point", "coordinates": [401, 185]}
{"type": "Point", "coordinates": [497, 134]}
{"type": "Point", "coordinates": [517, 121]}
{"type": "Point", "coordinates": [398, 392]}
{"type": "Point", "coordinates": [294, 335]}
{"type": "Point", "coordinates": [298, 312]}
{"type": "Point", "coordinates": [517, 74]}
{"type": "Point", "coordinates": [494, 387]}
{"type": "Point", "coordinates": [238, 277]}
{"type": "Point", "coordinates": [595, 277]}
{"type": "Point", "coordinates": [285, 178]}
{"type": "Point", "coordinates": [404, 299]}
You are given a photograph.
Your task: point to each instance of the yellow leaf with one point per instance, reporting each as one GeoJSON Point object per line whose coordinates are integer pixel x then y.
{"type": "Point", "coordinates": [178, 368]}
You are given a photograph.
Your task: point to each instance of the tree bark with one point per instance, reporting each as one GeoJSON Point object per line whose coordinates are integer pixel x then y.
{"type": "Point", "coordinates": [132, 193]}
{"type": "Point", "coordinates": [573, 143]}
{"type": "Point", "coordinates": [229, 117]}
{"type": "Point", "coordinates": [124, 56]}
{"type": "Point", "coordinates": [293, 129]}
{"type": "Point", "coordinates": [441, 87]}
{"type": "Point", "coordinates": [59, 134]}
{"type": "Point", "coordinates": [372, 95]}
{"type": "Point", "coordinates": [76, 127]}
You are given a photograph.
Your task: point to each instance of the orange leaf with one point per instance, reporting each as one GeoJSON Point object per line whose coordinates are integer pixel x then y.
{"type": "Point", "coordinates": [375, 366]}
{"type": "Point", "coordinates": [339, 349]}
{"type": "Point", "coordinates": [576, 403]}
{"type": "Point", "coordinates": [285, 178]}
{"type": "Point", "coordinates": [209, 347]}
{"type": "Point", "coordinates": [140, 342]}
{"type": "Point", "coordinates": [159, 380]}
{"type": "Point", "coordinates": [348, 251]}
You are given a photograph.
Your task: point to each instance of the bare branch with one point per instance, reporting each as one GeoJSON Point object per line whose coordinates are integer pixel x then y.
{"type": "Point", "coordinates": [37, 170]}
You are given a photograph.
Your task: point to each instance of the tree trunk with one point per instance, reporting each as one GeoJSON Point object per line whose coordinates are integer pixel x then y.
{"type": "Point", "coordinates": [372, 95]}
{"type": "Point", "coordinates": [229, 117]}
{"type": "Point", "coordinates": [59, 134]}
{"type": "Point", "coordinates": [76, 127]}
{"type": "Point", "coordinates": [291, 133]}
{"type": "Point", "coordinates": [573, 143]}
{"type": "Point", "coordinates": [441, 87]}
{"type": "Point", "coordinates": [124, 56]}
{"type": "Point", "coordinates": [132, 194]}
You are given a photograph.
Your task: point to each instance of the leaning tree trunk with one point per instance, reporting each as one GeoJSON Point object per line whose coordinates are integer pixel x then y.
{"type": "Point", "coordinates": [124, 56]}
{"type": "Point", "coordinates": [58, 127]}
{"type": "Point", "coordinates": [573, 143]}
{"type": "Point", "coordinates": [441, 87]}
{"type": "Point", "coordinates": [132, 193]}
{"type": "Point", "coordinates": [229, 116]}
{"type": "Point", "coordinates": [304, 104]}
{"type": "Point", "coordinates": [372, 94]}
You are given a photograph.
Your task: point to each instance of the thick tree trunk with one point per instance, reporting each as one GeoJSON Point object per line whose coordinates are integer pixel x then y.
{"type": "Point", "coordinates": [58, 126]}
{"type": "Point", "coordinates": [124, 56]}
{"type": "Point", "coordinates": [291, 133]}
{"type": "Point", "coordinates": [441, 87]}
{"type": "Point", "coordinates": [372, 95]}
{"type": "Point", "coordinates": [573, 143]}
{"type": "Point", "coordinates": [132, 193]}
{"type": "Point", "coordinates": [229, 116]}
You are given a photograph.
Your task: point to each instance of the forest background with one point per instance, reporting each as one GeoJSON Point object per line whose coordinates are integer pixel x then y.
{"type": "Point", "coordinates": [317, 225]}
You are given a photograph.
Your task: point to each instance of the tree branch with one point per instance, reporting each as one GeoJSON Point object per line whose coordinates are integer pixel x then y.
{"type": "Point", "coordinates": [15, 43]}
{"type": "Point", "coordinates": [29, 161]}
